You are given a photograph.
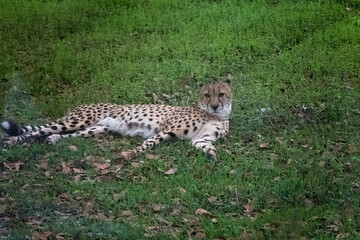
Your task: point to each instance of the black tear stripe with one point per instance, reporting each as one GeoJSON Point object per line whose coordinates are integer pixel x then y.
{"type": "Point", "coordinates": [221, 103]}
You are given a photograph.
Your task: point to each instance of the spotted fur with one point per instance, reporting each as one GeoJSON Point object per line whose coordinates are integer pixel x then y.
{"type": "Point", "coordinates": [202, 124]}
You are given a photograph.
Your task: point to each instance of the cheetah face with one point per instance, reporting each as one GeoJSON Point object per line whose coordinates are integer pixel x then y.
{"type": "Point", "coordinates": [216, 98]}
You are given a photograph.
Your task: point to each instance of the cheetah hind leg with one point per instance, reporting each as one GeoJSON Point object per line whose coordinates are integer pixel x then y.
{"type": "Point", "coordinates": [7, 141]}
{"type": "Point", "coordinates": [90, 131]}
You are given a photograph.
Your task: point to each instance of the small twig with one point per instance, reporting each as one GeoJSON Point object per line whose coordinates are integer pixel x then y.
{"type": "Point", "coordinates": [304, 114]}
{"type": "Point", "coordinates": [272, 124]}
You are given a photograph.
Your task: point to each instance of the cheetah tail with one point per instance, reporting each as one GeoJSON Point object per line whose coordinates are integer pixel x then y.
{"type": "Point", "coordinates": [12, 129]}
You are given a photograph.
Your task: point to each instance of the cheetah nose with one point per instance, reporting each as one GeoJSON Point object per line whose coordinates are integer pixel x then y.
{"type": "Point", "coordinates": [214, 107]}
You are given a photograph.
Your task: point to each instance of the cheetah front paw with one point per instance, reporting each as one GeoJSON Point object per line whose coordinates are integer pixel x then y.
{"type": "Point", "coordinates": [52, 139]}
{"type": "Point", "coordinates": [125, 156]}
{"type": "Point", "coordinates": [211, 154]}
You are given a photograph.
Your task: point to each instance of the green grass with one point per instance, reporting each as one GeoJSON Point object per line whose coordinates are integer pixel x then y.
{"type": "Point", "coordinates": [282, 55]}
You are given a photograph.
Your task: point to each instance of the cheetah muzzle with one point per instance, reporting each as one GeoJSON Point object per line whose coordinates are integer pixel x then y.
{"type": "Point", "coordinates": [202, 124]}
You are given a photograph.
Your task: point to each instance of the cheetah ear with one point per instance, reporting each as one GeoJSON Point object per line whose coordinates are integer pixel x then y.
{"type": "Point", "coordinates": [228, 81]}
{"type": "Point", "coordinates": [200, 85]}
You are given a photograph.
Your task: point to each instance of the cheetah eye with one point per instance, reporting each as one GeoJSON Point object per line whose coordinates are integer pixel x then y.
{"type": "Point", "coordinates": [207, 95]}
{"type": "Point", "coordinates": [221, 94]}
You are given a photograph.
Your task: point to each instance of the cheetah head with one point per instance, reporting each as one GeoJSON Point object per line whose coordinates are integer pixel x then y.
{"type": "Point", "coordinates": [215, 98]}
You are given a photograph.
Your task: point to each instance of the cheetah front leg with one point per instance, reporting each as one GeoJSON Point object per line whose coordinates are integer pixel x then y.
{"type": "Point", "coordinates": [209, 133]}
{"type": "Point", "coordinates": [205, 143]}
{"type": "Point", "coordinates": [148, 143]}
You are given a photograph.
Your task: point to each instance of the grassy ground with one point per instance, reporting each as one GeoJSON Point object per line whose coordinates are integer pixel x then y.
{"type": "Point", "coordinates": [289, 168]}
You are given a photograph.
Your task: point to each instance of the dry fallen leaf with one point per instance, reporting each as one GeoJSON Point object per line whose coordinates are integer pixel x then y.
{"type": "Point", "coordinates": [101, 166]}
{"type": "Point", "coordinates": [228, 151]}
{"type": "Point", "coordinates": [201, 211]}
{"type": "Point", "coordinates": [118, 168]}
{"type": "Point", "coordinates": [162, 220]}
{"type": "Point", "coordinates": [17, 165]}
{"type": "Point", "coordinates": [32, 222]}
{"type": "Point", "coordinates": [64, 196]}
{"type": "Point", "coordinates": [135, 164]}
{"type": "Point", "coordinates": [120, 195]}
{"type": "Point", "coordinates": [264, 145]}
{"type": "Point", "coordinates": [104, 166]}
{"type": "Point", "coordinates": [245, 235]}
{"type": "Point", "coordinates": [182, 190]}
{"type": "Point", "coordinates": [192, 220]}
{"type": "Point", "coordinates": [77, 170]}
{"type": "Point", "coordinates": [166, 96]}
{"type": "Point", "coordinates": [176, 212]}
{"type": "Point", "coordinates": [151, 228]}
{"type": "Point", "coordinates": [171, 171]}
{"type": "Point", "coordinates": [156, 207]}
{"type": "Point", "coordinates": [200, 235]}
{"type": "Point", "coordinates": [43, 164]}
{"type": "Point", "coordinates": [90, 158]}
{"type": "Point", "coordinates": [151, 156]}
{"type": "Point", "coordinates": [248, 207]}
{"type": "Point", "coordinates": [41, 236]}
{"type": "Point", "coordinates": [8, 166]}
{"type": "Point", "coordinates": [73, 148]}
{"type": "Point", "coordinates": [212, 199]}
{"type": "Point", "coordinates": [127, 213]}
{"type": "Point", "coordinates": [333, 227]}
{"type": "Point", "coordinates": [66, 169]}
{"type": "Point", "coordinates": [77, 178]}
{"type": "Point", "coordinates": [60, 236]}
{"type": "Point", "coordinates": [308, 202]}
{"type": "Point", "coordinates": [340, 235]}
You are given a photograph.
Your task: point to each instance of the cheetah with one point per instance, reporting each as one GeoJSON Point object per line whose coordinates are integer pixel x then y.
{"type": "Point", "coordinates": [201, 124]}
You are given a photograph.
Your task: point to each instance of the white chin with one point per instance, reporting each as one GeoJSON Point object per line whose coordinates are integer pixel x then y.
{"type": "Point", "coordinates": [223, 113]}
